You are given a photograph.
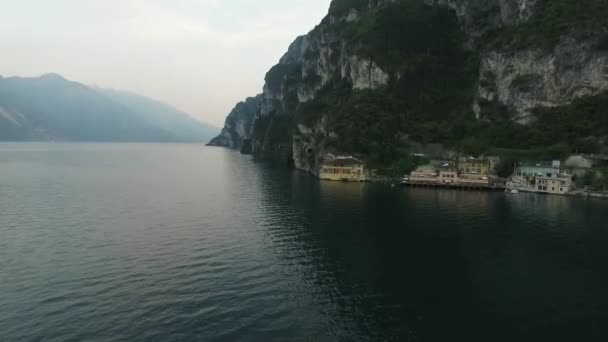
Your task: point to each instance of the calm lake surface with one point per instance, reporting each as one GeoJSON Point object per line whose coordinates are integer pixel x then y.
{"type": "Point", "coordinates": [111, 242]}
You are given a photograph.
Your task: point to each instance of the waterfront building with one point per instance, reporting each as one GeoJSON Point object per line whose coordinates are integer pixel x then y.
{"type": "Point", "coordinates": [448, 176]}
{"type": "Point", "coordinates": [538, 169]}
{"type": "Point", "coordinates": [543, 177]}
{"type": "Point", "coordinates": [343, 168]}
{"type": "Point", "coordinates": [426, 174]}
{"type": "Point", "coordinates": [474, 166]}
{"type": "Point", "coordinates": [554, 185]}
{"type": "Point", "coordinates": [477, 181]}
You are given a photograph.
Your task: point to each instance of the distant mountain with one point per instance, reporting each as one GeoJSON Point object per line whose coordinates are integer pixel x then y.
{"type": "Point", "coordinates": [160, 114]}
{"type": "Point", "coordinates": [52, 108]}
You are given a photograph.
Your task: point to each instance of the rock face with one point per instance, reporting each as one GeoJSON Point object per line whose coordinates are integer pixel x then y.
{"type": "Point", "coordinates": [309, 146]}
{"type": "Point", "coordinates": [516, 80]}
{"type": "Point", "coordinates": [312, 62]}
{"type": "Point", "coordinates": [523, 80]}
{"type": "Point", "coordinates": [237, 128]}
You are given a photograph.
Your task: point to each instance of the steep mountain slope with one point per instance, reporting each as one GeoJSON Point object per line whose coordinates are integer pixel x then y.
{"type": "Point", "coordinates": [237, 129]}
{"type": "Point", "coordinates": [476, 75]}
{"type": "Point", "coordinates": [181, 125]}
{"type": "Point", "coordinates": [53, 108]}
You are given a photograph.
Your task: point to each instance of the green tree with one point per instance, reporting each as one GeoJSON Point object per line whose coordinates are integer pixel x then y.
{"type": "Point", "coordinates": [505, 167]}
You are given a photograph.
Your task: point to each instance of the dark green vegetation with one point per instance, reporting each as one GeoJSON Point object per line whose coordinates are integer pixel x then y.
{"type": "Point", "coordinates": [276, 76]}
{"type": "Point", "coordinates": [577, 127]}
{"type": "Point", "coordinates": [595, 180]}
{"type": "Point", "coordinates": [433, 70]}
{"type": "Point", "coordinates": [341, 7]}
{"type": "Point", "coordinates": [430, 100]}
{"type": "Point", "coordinates": [505, 167]}
{"type": "Point", "coordinates": [555, 18]}
{"type": "Point", "coordinates": [419, 43]}
{"type": "Point", "coordinates": [53, 108]}
{"type": "Point", "coordinates": [407, 36]}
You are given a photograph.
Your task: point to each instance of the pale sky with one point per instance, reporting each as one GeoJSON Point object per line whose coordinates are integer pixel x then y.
{"type": "Point", "coordinates": [202, 56]}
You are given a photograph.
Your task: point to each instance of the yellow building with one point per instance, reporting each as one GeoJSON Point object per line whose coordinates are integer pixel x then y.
{"type": "Point", "coordinates": [343, 168]}
{"type": "Point", "coordinates": [472, 166]}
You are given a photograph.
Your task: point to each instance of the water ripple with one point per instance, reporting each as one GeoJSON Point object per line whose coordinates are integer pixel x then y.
{"type": "Point", "coordinates": [219, 247]}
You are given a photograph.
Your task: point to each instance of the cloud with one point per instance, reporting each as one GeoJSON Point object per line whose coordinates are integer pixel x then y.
{"type": "Point", "coordinates": [154, 21]}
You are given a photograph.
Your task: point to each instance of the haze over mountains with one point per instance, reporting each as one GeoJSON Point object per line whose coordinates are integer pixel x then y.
{"type": "Point", "coordinates": [51, 108]}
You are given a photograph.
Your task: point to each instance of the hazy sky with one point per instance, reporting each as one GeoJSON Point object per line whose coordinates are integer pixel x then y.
{"type": "Point", "coordinates": [201, 56]}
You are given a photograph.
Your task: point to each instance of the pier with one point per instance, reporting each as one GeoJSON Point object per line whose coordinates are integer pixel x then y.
{"type": "Point", "coordinates": [460, 186]}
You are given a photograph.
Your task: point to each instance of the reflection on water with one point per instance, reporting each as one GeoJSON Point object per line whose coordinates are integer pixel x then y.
{"type": "Point", "coordinates": [177, 242]}
{"type": "Point", "coordinates": [478, 264]}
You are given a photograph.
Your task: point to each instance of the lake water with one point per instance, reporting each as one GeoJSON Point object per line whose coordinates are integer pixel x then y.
{"type": "Point", "coordinates": [110, 242]}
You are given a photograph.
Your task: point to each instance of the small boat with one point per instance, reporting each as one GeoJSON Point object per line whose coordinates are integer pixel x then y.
{"type": "Point", "coordinates": [514, 191]}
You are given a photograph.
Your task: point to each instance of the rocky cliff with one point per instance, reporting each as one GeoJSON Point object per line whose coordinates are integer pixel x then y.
{"type": "Point", "coordinates": [237, 129]}
{"type": "Point", "coordinates": [375, 74]}
{"type": "Point", "coordinates": [530, 78]}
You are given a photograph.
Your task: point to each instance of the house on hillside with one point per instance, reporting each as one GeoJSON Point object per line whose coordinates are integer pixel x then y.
{"type": "Point", "coordinates": [442, 164]}
{"type": "Point", "coordinates": [474, 166]}
{"type": "Point", "coordinates": [343, 168]}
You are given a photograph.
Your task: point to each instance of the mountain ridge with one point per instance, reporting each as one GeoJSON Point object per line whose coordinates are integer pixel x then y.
{"type": "Point", "coordinates": [51, 107]}
{"type": "Point", "coordinates": [162, 114]}
{"type": "Point", "coordinates": [479, 76]}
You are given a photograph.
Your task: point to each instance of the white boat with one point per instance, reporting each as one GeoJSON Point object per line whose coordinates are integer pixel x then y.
{"type": "Point", "coordinates": [514, 191]}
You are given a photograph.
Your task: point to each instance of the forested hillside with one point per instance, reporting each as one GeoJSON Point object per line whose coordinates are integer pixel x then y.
{"type": "Point", "coordinates": [522, 78]}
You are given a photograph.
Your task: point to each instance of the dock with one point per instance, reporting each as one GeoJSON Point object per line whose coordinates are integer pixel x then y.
{"type": "Point", "coordinates": [459, 186]}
